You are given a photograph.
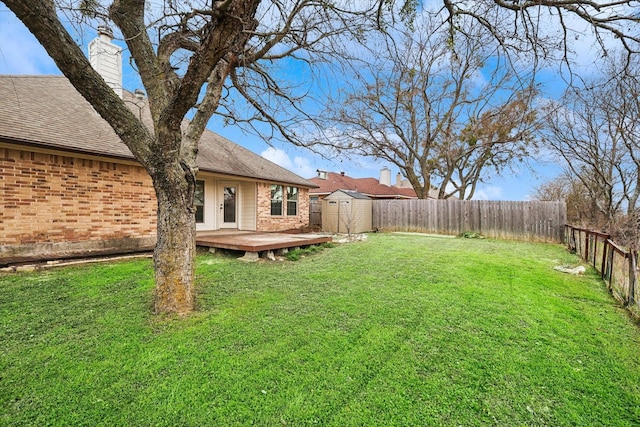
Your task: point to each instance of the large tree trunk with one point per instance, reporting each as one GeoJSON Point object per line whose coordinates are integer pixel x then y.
{"type": "Point", "coordinates": [174, 255]}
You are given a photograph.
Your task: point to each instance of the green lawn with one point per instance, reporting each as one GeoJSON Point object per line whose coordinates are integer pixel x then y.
{"type": "Point", "coordinates": [399, 330]}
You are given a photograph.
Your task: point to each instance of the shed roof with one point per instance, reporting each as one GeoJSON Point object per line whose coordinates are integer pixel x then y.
{"type": "Point", "coordinates": [350, 193]}
{"type": "Point", "coordinates": [47, 111]}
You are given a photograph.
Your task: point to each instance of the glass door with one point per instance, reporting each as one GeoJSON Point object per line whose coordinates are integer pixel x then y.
{"type": "Point", "coordinates": [229, 206]}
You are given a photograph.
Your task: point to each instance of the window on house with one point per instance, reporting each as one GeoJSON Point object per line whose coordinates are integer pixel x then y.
{"type": "Point", "coordinates": [292, 201]}
{"type": "Point", "coordinates": [198, 201]}
{"type": "Point", "coordinates": [277, 198]}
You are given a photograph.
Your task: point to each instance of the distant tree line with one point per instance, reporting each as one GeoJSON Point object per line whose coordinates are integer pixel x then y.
{"type": "Point", "coordinates": [595, 130]}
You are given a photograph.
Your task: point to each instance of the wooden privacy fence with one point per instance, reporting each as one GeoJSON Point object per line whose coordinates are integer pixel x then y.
{"type": "Point", "coordinates": [617, 266]}
{"type": "Point", "coordinates": [530, 221]}
{"type": "Point", "coordinates": [315, 213]}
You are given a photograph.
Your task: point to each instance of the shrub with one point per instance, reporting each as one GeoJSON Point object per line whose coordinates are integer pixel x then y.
{"type": "Point", "coordinates": [472, 235]}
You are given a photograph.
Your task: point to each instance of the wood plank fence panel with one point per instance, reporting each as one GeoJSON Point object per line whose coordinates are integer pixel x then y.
{"type": "Point", "coordinates": [534, 221]}
{"type": "Point", "coordinates": [315, 213]}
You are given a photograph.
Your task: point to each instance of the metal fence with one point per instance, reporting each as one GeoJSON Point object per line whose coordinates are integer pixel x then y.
{"type": "Point", "coordinates": [617, 266]}
{"type": "Point", "coordinates": [529, 221]}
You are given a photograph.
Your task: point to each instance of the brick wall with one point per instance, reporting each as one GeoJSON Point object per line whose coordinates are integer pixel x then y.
{"type": "Point", "coordinates": [47, 198]}
{"type": "Point", "coordinates": [54, 205]}
{"type": "Point", "coordinates": [268, 222]}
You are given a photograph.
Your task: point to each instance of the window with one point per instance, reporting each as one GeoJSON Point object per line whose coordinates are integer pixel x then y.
{"type": "Point", "coordinates": [292, 201]}
{"type": "Point", "coordinates": [198, 201]}
{"type": "Point", "coordinates": [229, 211]}
{"type": "Point", "coordinates": [277, 198]}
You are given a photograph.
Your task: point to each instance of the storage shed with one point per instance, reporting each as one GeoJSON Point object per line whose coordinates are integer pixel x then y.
{"type": "Point", "coordinates": [347, 212]}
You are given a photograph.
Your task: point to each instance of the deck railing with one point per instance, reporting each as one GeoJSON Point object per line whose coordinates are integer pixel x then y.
{"type": "Point", "coordinates": [617, 266]}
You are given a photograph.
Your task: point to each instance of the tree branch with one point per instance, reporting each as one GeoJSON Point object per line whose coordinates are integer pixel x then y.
{"type": "Point", "coordinates": [41, 19]}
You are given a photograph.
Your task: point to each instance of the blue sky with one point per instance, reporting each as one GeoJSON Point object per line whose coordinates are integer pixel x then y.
{"type": "Point", "coordinates": [20, 53]}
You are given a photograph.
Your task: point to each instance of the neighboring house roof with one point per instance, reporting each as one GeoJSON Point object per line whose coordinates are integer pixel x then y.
{"type": "Point", "coordinates": [47, 111]}
{"type": "Point", "coordinates": [368, 186]}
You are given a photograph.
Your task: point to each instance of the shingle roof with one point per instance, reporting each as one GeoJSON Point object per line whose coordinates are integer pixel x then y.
{"type": "Point", "coordinates": [368, 186]}
{"type": "Point", "coordinates": [47, 111]}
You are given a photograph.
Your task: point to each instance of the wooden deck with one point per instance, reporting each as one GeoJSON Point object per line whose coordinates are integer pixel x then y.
{"type": "Point", "coordinates": [249, 241]}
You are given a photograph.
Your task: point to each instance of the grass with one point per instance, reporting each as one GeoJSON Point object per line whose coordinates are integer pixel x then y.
{"type": "Point", "coordinates": [296, 254]}
{"type": "Point", "coordinates": [398, 330]}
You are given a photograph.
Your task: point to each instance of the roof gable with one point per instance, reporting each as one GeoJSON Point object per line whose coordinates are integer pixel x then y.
{"type": "Point", "coordinates": [349, 193]}
{"type": "Point", "coordinates": [47, 111]}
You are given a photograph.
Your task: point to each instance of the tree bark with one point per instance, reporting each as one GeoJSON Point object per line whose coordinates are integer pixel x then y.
{"type": "Point", "coordinates": [175, 249]}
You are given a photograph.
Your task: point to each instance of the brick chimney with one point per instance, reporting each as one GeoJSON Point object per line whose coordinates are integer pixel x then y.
{"type": "Point", "coordinates": [106, 58]}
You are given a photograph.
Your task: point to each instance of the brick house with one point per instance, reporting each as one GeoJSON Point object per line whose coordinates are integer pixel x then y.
{"type": "Point", "coordinates": [69, 186]}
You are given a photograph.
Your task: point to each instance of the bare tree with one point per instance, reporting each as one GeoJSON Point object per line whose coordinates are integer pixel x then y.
{"type": "Point", "coordinates": [550, 29]}
{"type": "Point", "coordinates": [489, 143]}
{"type": "Point", "coordinates": [446, 117]}
{"type": "Point", "coordinates": [595, 129]}
{"type": "Point", "coordinates": [349, 214]}
{"type": "Point", "coordinates": [188, 55]}
{"type": "Point", "coordinates": [581, 210]}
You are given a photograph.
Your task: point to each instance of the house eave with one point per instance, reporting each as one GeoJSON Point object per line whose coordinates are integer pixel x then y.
{"type": "Point", "coordinates": [51, 148]}
{"type": "Point", "coordinates": [265, 180]}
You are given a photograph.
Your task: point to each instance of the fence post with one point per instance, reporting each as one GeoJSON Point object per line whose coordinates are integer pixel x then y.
{"type": "Point", "coordinates": [633, 261]}
{"type": "Point", "coordinates": [610, 266]}
{"type": "Point", "coordinates": [604, 259]}
{"type": "Point", "coordinates": [587, 248]}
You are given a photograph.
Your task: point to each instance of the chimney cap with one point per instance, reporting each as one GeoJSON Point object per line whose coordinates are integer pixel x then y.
{"type": "Point", "coordinates": [105, 30]}
{"type": "Point", "coordinates": [139, 94]}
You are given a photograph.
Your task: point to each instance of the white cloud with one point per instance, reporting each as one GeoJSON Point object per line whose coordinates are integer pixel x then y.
{"type": "Point", "coordinates": [277, 156]}
{"type": "Point", "coordinates": [489, 193]}
{"type": "Point", "coordinates": [299, 165]}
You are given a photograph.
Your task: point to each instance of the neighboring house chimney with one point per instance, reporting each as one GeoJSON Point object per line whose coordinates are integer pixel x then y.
{"type": "Point", "coordinates": [106, 58]}
{"type": "Point", "coordinates": [385, 177]}
{"type": "Point", "coordinates": [398, 180]}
